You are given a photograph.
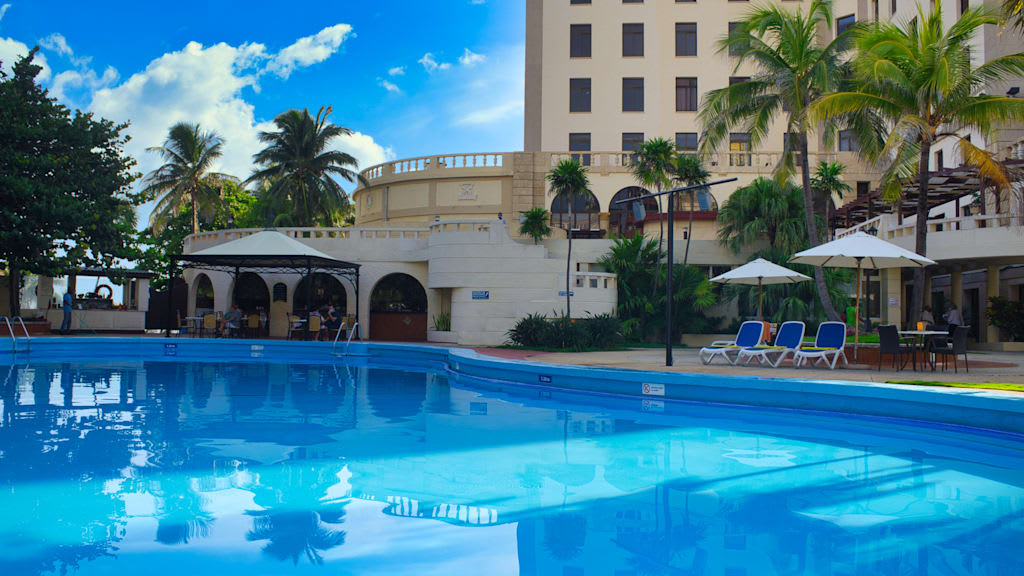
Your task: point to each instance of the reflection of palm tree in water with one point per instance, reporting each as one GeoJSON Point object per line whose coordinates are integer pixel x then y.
{"type": "Point", "coordinates": [182, 517]}
{"type": "Point", "coordinates": [295, 520]}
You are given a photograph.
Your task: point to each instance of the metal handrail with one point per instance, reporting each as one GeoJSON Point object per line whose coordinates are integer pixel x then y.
{"type": "Point", "coordinates": [348, 340]}
{"type": "Point", "coordinates": [14, 337]}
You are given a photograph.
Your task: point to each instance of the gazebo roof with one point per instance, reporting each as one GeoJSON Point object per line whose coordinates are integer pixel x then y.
{"type": "Point", "coordinates": [265, 251]}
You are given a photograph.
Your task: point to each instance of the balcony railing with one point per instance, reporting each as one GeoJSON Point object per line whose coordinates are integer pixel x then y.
{"type": "Point", "coordinates": [438, 163]}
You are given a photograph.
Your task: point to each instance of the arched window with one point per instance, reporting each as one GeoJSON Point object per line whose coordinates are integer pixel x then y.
{"type": "Point", "coordinates": [204, 294]}
{"type": "Point", "coordinates": [398, 293]}
{"type": "Point", "coordinates": [326, 290]}
{"type": "Point", "coordinates": [622, 217]}
{"type": "Point", "coordinates": [586, 212]}
{"type": "Point", "coordinates": [251, 293]}
{"type": "Point", "coordinates": [704, 204]}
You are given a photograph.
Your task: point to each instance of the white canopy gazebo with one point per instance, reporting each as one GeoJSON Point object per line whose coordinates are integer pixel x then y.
{"type": "Point", "coordinates": [758, 273]}
{"type": "Point", "coordinates": [266, 251]}
{"type": "Point", "coordinates": [860, 251]}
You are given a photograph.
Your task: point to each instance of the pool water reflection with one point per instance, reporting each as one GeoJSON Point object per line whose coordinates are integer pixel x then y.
{"type": "Point", "coordinates": [250, 468]}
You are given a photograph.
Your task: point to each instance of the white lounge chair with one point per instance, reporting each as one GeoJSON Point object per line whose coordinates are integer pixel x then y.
{"type": "Point", "coordinates": [828, 347]}
{"type": "Point", "coordinates": [788, 341]}
{"type": "Point", "coordinates": [748, 336]}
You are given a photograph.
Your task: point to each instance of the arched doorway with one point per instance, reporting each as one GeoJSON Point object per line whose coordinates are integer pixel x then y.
{"type": "Point", "coordinates": [622, 218]}
{"type": "Point", "coordinates": [398, 309]}
{"type": "Point", "coordinates": [586, 215]}
{"type": "Point", "coordinates": [251, 293]}
{"type": "Point", "coordinates": [204, 294]}
{"type": "Point", "coordinates": [326, 290]}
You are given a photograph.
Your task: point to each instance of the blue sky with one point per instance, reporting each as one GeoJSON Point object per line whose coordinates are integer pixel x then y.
{"type": "Point", "coordinates": [411, 78]}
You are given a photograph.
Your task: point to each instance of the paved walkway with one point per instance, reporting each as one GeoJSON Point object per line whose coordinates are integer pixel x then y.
{"type": "Point", "coordinates": [985, 366]}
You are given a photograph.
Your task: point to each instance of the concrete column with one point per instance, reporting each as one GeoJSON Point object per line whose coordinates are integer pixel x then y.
{"type": "Point", "coordinates": [992, 284]}
{"type": "Point", "coordinates": [892, 284]}
{"type": "Point", "coordinates": [142, 294]}
{"type": "Point", "coordinates": [44, 292]}
{"type": "Point", "coordinates": [956, 288]}
{"type": "Point", "coordinates": [928, 291]}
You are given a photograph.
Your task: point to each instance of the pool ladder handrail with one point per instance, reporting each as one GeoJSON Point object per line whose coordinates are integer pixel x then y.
{"type": "Point", "coordinates": [14, 337]}
{"type": "Point", "coordinates": [348, 340]}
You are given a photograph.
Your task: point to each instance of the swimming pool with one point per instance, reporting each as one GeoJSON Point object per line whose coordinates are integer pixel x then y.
{"type": "Point", "coordinates": [262, 466]}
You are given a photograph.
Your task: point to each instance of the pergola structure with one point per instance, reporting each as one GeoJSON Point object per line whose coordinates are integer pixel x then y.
{"type": "Point", "coordinates": [267, 251]}
{"type": "Point", "coordinates": [946, 185]}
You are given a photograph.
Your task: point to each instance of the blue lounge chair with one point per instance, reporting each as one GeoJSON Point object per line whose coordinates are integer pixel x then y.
{"type": "Point", "coordinates": [828, 346]}
{"type": "Point", "coordinates": [749, 335]}
{"type": "Point", "coordinates": [788, 341]}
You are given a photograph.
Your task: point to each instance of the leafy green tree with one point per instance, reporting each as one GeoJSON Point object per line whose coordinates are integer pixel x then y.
{"type": "Point", "coordinates": [828, 182]}
{"type": "Point", "coordinates": [569, 179]}
{"type": "Point", "coordinates": [795, 66]}
{"type": "Point", "coordinates": [535, 224]}
{"type": "Point", "coordinates": [652, 166]}
{"type": "Point", "coordinates": [1013, 13]}
{"type": "Point", "coordinates": [185, 178]}
{"type": "Point", "coordinates": [65, 184]}
{"type": "Point", "coordinates": [688, 169]}
{"type": "Point", "coordinates": [916, 85]}
{"type": "Point", "coordinates": [301, 168]}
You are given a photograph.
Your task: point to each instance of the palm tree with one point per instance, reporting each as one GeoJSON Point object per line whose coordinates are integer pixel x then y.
{"type": "Point", "coordinates": [535, 224]}
{"type": "Point", "coordinates": [763, 210]}
{"type": "Point", "coordinates": [301, 168]}
{"type": "Point", "coordinates": [688, 169]}
{"type": "Point", "coordinates": [188, 154]}
{"type": "Point", "coordinates": [794, 68]}
{"type": "Point", "coordinates": [651, 165]}
{"type": "Point", "coordinates": [914, 86]}
{"type": "Point", "coordinates": [828, 182]}
{"type": "Point", "coordinates": [569, 179]}
{"type": "Point", "coordinates": [1013, 13]}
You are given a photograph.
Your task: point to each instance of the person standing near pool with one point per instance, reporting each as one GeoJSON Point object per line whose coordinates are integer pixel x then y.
{"type": "Point", "coordinates": [65, 326]}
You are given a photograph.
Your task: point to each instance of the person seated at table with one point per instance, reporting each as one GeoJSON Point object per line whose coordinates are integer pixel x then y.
{"type": "Point", "coordinates": [953, 318]}
{"type": "Point", "coordinates": [927, 318]}
{"type": "Point", "coordinates": [233, 320]}
{"type": "Point", "coordinates": [332, 319]}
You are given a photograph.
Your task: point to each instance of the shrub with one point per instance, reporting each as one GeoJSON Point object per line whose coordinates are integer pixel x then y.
{"type": "Point", "coordinates": [602, 331]}
{"type": "Point", "coordinates": [531, 331]}
{"type": "Point", "coordinates": [567, 333]}
{"type": "Point", "coordinates": [443, 322]}
{"type": "Point", "coordinates": [1008, 315]}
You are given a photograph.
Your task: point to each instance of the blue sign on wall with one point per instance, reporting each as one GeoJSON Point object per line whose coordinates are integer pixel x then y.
{"type": "Point", "coordinates": [562, 293]}
{"type": "Point", "coordinates": [481, 294]}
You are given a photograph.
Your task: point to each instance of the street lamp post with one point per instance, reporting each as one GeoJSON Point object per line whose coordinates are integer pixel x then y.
{"type": "Point", "coordinates": [671, 249]}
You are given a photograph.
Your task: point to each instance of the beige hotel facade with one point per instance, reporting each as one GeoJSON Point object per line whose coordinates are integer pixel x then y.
{"type": "Point", "coordinates": [601, 77]}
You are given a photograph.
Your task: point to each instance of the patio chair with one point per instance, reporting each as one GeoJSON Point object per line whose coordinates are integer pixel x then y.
{"type": "Point", "coordinates": [829, 343]}
{"type": "Point", "coordinates": [182, 326]}
{"type": "Point", "coordinates": [252, 325]}
{"type": "Point", "coordinates": [209, 324]}
{"type": "Point", "coordinates": [889, 343]}
{"type": "Point", "coordinates": [957, 346]}
{"type": "Point", "coordinates": [294, 325]}
{"type": "Point", "coordinates": [791, 336]}
{"type": "Point", "coordinates": [315, 325]}
{"type": "Point", "coordinates": [748, 336]}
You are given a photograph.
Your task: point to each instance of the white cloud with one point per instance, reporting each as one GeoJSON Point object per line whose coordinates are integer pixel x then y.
{"type": "Point", "coordinates": [389, 86]}
{"type": "Point", "coordinates": [470, 58]}
{"type": "Point", "coordinates": [396, 71]}
{"type": "Point", "coordinates": [309, 50]}
{"type": "Point", "coordinates": [3, 10]}
{"type": "Point", "coordinates": [431, 64]}
{"type": "Point", "coordinates": [477, 1]}
{"type": "Point", "coordinates": [493, 114]}
{"type": "Point", "coordinates": [365, 150]}
{"type": "Point", "coordinates": [11, 51]}
{"type": "Point", "coordinates": [77, 79]}
{"type": "Point", "coordinates": [57, 43]}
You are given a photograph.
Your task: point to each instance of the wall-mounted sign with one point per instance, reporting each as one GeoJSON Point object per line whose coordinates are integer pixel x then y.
{"type": "Point", "coordinates": [894, 301]}
{"type": "Point", "coordinates": [562, 293]}
{"type": "Point", "coordinates": [481, 294]}
{"type": "Point", "coordinates": [544, 379]}
{"type": "Point", "coordinates": [170, 349]}
{"type": "Point", "coordinates": [466, 192]}
{"type": "Point", "coordinates": [653, 389]}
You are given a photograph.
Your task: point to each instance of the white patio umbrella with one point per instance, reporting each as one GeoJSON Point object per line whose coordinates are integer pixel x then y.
{"type": "Point", "coordinates": [860, 251]}
{"type": "Point", "coordinates": [758, 273]}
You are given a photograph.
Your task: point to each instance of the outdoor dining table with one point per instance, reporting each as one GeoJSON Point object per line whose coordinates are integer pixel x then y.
{"type": "Point", "coordinates": [196, 322]}
{"type": "Point", "coordinates": [921, 337]}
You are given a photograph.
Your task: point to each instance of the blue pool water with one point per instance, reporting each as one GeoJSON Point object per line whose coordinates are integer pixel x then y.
{"type": "Point", "coordinates": [140, 467]}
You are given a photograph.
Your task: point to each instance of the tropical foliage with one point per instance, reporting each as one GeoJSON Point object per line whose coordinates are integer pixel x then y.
{"type": "Point", "coordinates": [827, 184]}
{"type": "Point", "coordinates": [641, 290]}
{"type": "Point", "coordinates": [535, 224]}
{"type": "Point", "coordinates": [651, 165]}
{"type": "Point", "coordinates": [569, 179]}
{"type": "Point", "coordinates": [300, 168]}
{"type": "Point", "coordinates": [595, 332]}
{"type": "Point", "coordinates": [1008, 315]}
{"type": "Point", "coordinates": [916, 85]}
{"type": "Point", "coordinates": [688, 170]}
{"type": "Point", "coordinates": [795, 67]}
{"type": "Point", "coordinates": [186, 179]}
{"type": "Point", "coordinates": [65, 184]}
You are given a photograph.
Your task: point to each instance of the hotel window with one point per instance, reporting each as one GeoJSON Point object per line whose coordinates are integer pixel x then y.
{"type": "Point", "coordinates": [863, 189]}
{"type": "Point", "coordinates": [843, 24]}
{"type": "Point", "coordinates": [939, 164]}
{"type": "Point", "coordinates": [579, 41]}
{"type": "Point", "coordinates": [965, 5]}
{"type": "Point", "coordinates": [580, 142]}
{"type": "Point", "coordinates": [735, 49]}
{"type": "Point", "coordinates": [632, 40]}
{"type": "Point", "coordinates": [892, 7]}
{"type": "Point", "coordinates": [685, 1]}
{"type": "Point", "coordinates": [847, 143]}
{"type": "Point", "coordinates": [737, 79]}
{"type": "Point", "coordinates": [686, 94]}
{"type": "Point", "coordinates": [686, 141]}
{"type": "Point", "coordinates": [630, 142]}
{"type": "Point", "coordinates": [579, 94]}
{"type": "Point", "coordinates": [739, 142]}
{"type": "Point", "coordinates": [632, 94]}
{"type": "Point", "coordinates": [686, 38]}
{"type": "Point", "coordinates": [579, 1]}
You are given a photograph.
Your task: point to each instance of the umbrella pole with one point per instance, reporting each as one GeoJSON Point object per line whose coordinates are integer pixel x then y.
{"type": "Point", "coordinates": [856, 316]}
{"type": "Point", "coordinates": [760, 296]}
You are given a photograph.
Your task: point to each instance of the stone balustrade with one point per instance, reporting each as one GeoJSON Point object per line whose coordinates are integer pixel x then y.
{"type": "Point", "coordinates": [436, 165]}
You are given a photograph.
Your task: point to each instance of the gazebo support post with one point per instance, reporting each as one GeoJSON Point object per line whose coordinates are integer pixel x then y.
{"type": "Point", "coordinates": [170, 297]}
{"type": "Point", "coordinates": [355, 323]}
{"type": "Point", "coordinates": [856, 315]}
{"type": "Point", "coordinates": [668, 278]}
{"type": "Point", "coordinates": [309, 297]}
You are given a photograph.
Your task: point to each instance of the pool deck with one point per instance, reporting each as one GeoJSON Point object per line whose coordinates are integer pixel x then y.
{"type": "Point", "coordinates": [985, 366]}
